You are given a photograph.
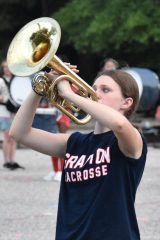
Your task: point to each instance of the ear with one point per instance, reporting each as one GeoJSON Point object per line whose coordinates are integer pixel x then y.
{"type": "Point", "coordinates": [127, 103]}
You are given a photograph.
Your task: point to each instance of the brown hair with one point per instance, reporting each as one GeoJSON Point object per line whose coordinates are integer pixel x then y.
{"type": "Point", "coordinates": [128, 87]}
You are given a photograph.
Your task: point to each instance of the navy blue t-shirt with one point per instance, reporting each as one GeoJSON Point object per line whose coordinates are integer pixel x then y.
{"type": "Point", "coordinates": [98, 188]}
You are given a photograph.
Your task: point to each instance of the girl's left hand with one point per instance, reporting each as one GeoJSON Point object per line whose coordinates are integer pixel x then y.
{"type": "Point", "coordinates": [64, 87]}
{"type": "Point", "coordinates": [72, 67]}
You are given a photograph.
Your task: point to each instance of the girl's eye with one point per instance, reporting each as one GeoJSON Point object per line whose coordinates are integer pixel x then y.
{"type": "Point", "coordinates": [105, 90]}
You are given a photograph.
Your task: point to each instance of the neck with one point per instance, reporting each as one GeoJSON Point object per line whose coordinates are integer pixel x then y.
{"type": "Point", "coordinates": [100, 128]}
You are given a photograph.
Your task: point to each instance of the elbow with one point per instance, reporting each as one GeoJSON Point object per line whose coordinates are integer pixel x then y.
{"type": "Point", "coordinates": [13, 135]}
{"type": "Point", "coordinates": [18, 135]}
{"type": "Point", "coordinates": [120, 125]}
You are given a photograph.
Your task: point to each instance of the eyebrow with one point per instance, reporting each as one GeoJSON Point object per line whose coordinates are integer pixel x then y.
{"type": "Point", "coordinates": [101, 85]}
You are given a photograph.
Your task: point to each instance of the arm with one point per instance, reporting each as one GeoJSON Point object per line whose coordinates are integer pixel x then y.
{"type": "Point", "coordinates": [22, 131]}
{"type": "Point", "coordinates": [129, 139]}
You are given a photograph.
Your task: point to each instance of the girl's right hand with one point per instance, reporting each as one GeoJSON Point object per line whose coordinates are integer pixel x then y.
{"type": "Point", "coordinates": [64, 87]}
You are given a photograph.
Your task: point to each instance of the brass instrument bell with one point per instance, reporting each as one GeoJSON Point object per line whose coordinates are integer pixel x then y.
{"type": "Point", "coordinates": [34, 48]}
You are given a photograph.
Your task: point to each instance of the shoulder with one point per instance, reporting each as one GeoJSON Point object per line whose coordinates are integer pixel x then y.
{"type": "Point", "coordinates": [117, 151]}
{"type": "Point", "coordinates": [78, 136]}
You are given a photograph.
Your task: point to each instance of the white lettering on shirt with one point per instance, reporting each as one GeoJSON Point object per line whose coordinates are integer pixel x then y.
{"type": "Point", "coordinates": [82, 168]}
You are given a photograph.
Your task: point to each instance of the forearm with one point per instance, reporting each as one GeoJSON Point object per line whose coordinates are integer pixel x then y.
{"type": "Point", "coordinates": [105, 115]}
{"type": "Point", "coordinates": [23, 120]}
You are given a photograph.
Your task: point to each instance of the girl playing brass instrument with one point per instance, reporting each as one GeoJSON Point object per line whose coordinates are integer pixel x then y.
{"type": "Point", "coordinates": [102, 168]}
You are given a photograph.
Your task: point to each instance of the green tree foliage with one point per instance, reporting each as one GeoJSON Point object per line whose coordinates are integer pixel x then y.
{"type": "Point", "coordinates": [14, 14]}
{"type": "Point", "coordinates": [94, 26]}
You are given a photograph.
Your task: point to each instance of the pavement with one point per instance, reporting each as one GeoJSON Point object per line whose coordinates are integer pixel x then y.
{"type": "Point", "coordinates": [28, 204]}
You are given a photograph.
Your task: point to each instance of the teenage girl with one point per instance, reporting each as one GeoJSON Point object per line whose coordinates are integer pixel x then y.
{"type": "Point", "coordinates": [103, 168]}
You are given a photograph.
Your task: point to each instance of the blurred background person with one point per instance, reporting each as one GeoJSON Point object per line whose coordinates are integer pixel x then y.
{"type": "Point", "coordinates": [110, 64]}
{"type": "Point", "coordinates": [6, 116]}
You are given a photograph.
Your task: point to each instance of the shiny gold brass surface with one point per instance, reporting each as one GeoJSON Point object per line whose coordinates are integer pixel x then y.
{"type": "Point", "coordinates": [34, 48]}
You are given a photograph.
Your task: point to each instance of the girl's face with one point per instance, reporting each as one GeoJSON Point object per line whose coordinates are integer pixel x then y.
{"type": "Point", "coordinates": [109, 93]}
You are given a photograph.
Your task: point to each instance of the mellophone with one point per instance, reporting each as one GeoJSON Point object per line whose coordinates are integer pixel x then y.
{"type": "Point", "coordinates": [34, 48]}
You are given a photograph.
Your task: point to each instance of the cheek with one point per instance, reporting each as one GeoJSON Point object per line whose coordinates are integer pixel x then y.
{"type": "Point", "coordinates": [114, 102]}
